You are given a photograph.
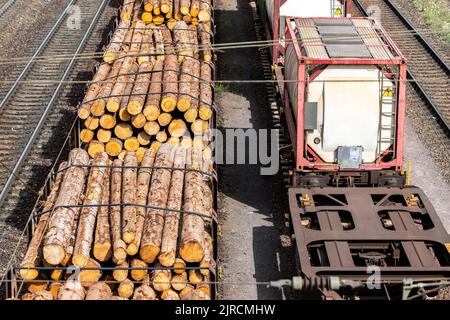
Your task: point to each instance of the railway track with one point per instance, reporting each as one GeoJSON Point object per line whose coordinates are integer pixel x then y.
{"type": "Point", "coordinates": [428, 72]}
{"type": "Point", "coordinates": [5, 6]}
{"type": "Point", "coordinates": [35, 118]}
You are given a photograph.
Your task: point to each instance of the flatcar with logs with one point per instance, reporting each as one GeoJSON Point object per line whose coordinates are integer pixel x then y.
{"type": "Point", "coordinates": [128, 211]}
{"type": "Point", "coordinates": [341, 86]}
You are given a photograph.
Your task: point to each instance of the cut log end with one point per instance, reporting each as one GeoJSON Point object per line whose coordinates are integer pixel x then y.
{"type": "Point", "coordinates": [149, 253]}
{"type": "Point", "coordinates": [109, 57]}
{"type": "Point", "coordinates": [132, 249]}
{"type": "Point", "coordinates": [192, 252]}
{"type": "Point", "coordinates": [128, 237]}
{"type": "Point", "coordinates": [80, 260]}
{"type": "Point", "coordinates": [54, 254]}
{"type": "Point", "coordinates": [134, 108]}
{"type": "Point", "coordinates": [167, 259]}
{"type": "Point", "coordinates": [28, 274]}
{"type": "Point", "coordinates": [112, 106]}
{"type": "Point", "coordinates": [102, 251]}
{"type": "Point", "coordinates": [205, 113]}
{"type": "Point", "coordinates": [120, 254]}
{"type": "Point", "coordinates": [84, 113]}
{"type": "Point", "coordinates": [183, 104]}
{"type": "Point", "coordinates": [168, 104]}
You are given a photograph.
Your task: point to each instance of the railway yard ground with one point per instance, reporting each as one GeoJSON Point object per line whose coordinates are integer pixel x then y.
{"type": "Point", "coordinates": [255, 243]}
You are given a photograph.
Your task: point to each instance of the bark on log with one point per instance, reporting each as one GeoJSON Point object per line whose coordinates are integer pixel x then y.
{"type": "Point", "coordinates": [41, 295]}
{"type": "Point", "coordinates": [161, 279]}
{"type": "Point", "coordinates": [99, 291]}
{"type": "Point", "coordinates": [136, 41]}
{"type": "Point", "coordinates": [181, 35]}
{"type": "Point", "coordinates": [93, 90]}
{"type": "Point", "coordinates": [145, 292]}
{"type": "Point", "coordinates": [186, 78]}
{"type": "Point", "coordinates": [192, 249]}
{"type": "Point", "coordinates": [127, 10]}
{"type": "Point", "coordinates": [128, 197]}
{"type": "Point", "coordinates": [123, 112]}
{"type": "Point", "coordinates": [205, 40]}
{"type": "Point", "coordinates": [206, 261]}
{"type": "Point", "coordinates": [159, 43]}
{"type": "Point", "coordinates": [168, 42]}
{"type": "Point", "coordinates": [170, 84]}
{"type": "Point", "coordinates": [98, 106]}
{"type": "Point", "coordinates": [117, 39]}
{"type": "Point", "coordinates": [205, 10]}
{"type": "Point", "coordinates": [102, 244]}
{"type": "Point", "coordinates": [88, 216]}
{"type": "Point", "coordinates": [113, 103]}
{"type": "Point", "coordinates": [158, 194]}
{"type": "Point", "coordinates": [152, 109]}
{"type": "Point", "coordinates": [192, 113]}
{"type": "Point", "coordinates": [60, 227]}
{"type": "Point", "coordinates": [147, 53]}
{"type": "Point", "coordinates": [33, 255]}
{"type": "Point", "coordinates": [171, 224]}
{"type": "Point", "coordinates": [137, 100]}
{"type": "Point", "coordinates": [71, 290]}
{"type": "Point", "coordinates": [119, 246]}
{"type": "Point", "coordinates": [195, 8]}
{"type": "Point", "coordinates": [157, 6]}
{"type": "Point", "coordinates": [205, 110]}
{"type": "Point", "coordinates": [185, 6]}
{"type": "Point", "coordinates": [143, 186]}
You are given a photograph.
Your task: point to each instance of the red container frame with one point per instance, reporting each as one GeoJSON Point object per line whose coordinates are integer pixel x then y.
{"type": "Point", "coordinates": [273, 31]}
{"type": "Point", "coordinates": [296, 127]}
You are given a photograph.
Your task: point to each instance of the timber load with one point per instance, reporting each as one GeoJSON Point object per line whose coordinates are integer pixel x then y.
{"type": "Point", "coordinates": [155, 82]}
{"type": "Point", "coordinates": [132, 208]}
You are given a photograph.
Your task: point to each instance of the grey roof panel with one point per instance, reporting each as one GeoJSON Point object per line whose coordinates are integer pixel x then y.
{"type": "Point", "coordinates": [329, 22]}
{"type": "Point", "coordinates": [338, 30]}
{"type": "Point", "coordinates": [348, 51]}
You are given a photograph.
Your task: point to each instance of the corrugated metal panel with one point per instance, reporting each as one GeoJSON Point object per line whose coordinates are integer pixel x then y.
{"type": "Point", "coordinates": [310, 39]}
{"type": "Point", "coordinates": [372, 40]}
{"type": "Point", "coordinates": [291, 73]}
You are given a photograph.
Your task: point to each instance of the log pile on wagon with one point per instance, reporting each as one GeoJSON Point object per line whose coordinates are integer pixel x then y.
{"type": "Point", "coordinates": [133, 210]}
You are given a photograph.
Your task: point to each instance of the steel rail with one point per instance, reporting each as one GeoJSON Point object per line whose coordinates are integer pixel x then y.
{"type": "Point", "coordinates": [49, 106]}
{"type": "Point", "coordinates": [6, 6]}
{"type": "Point", "coordinates": [414, 82]}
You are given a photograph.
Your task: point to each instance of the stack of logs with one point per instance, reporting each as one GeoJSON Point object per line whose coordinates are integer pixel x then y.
{"type": "Point", "coordinates": [134, 211]}
{"type": "Point", "coordinates": [154, 84]}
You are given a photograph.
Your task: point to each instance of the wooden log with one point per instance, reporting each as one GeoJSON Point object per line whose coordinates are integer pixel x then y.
{"type": "Point", "coordinates": [113, 103]}
{"type": "Point", "coordinates": [126, 288]}
{"type": "Point", "coordinates": [205, 10]}
{"type": "Point", "coordinates": [127, 10]}
{"type": "Point", "coordinates": [54, 289]}
{"type": "Point", "coordinates": [179, 281]}
{"type": "Point", "coordinates": [195, 294]}
{"type": "Point", "coordinates": [191, 247]}
{"type": "Point", "coordinates": [138, 121]}
{"type": "Point", "coordinates": [170, 295]}
{"type": "Point", "coordinates": [192, 113]}
{"type": "Point", "coordinates": [114, 147]}
{"type": "Point", "coordinates": [107, 121]}
{"type": "Point", "coordinates": [195, 8]}
{"type": "Point", "coordinates": [158, 19]}
{"type": "Point", "coordinates": [147, 18]}
{"type": "Point", "coordinates": [104, 135]}
{"type": "Point", "coordinates": [60, 226]}
{"type": "Point", "coordinates": [131, 144]}
{"type": "Point", "coordinates": [199, 127]}
{"type": "Point", "coordinates": [147, 50]}
{"type": "Point", "coordinates": [152, 109]}
{"type": "Point", "coordinates": [86, 135]}
{"type": "Point", "coordinates": [93, 90]}
{"type": "Point", "coordinates": [136, 41]}
{"type": "Point", "coordinates": [205, 286]}
{"type": "Point", "coordinates": [92, 123]}
{"type": "Point", "coordinates": [151, 128]}
{"type": "Point", "coordinates": [117, 39]}
{"type": "Point", "coordinates": [38, 285]}
{"type": "Point", "coordinates": [99, 291]}
{"type": "Point", "coordinates": [179, 266]}
{"type": "Point", "coordinates": [120, 275]}
{"type": "Point", "coordinates": [205, 40]}
{"type": "Point", "coordinates": [184, 98]}
{"type": "Point", "coordinates": [182, 39]}
{"type": "Point", "coordinates": [171, 224]}
{"type": "Point", "coordinates": [148, 5]}
{"type": "Point", "coordinates": [161, 136]}
{"type": "Point", "coordinates": [168, 41]}
{"type": "Point", "coordinates": [177, 128]}
{"type": "Point", "coordinates": [205, 109]}
{"type": "Point", "coordinates": [33, 255]}
{"type": "Point", "coordinates": [143, 186]}
{"type": "Point", "coordinates": [102, 240]}
{"type": "Point", "coordinates": [119, 246]}
{"type": "Point", "coordinates": [164, 119]}
{"type": "Point", "coordinates": [195, 277]}
{"type": "Point", "coordinates": [129, 197]}
{"type": "Point", "coordinates": [123, 112]}
{"type": "Point", "coordinates": [185, 6]}
{"type": "Point", "coordinates": [207, 258]}
{"type": "Point", "coordinates": [99, 105]}
{"type": "Point", "coordinates": [161, 278]}
{"type": "Point", "coordinates": [71, 290]}
{"type": "Point", "coordinates": [157, 197]}
{"type": "Point", "coordinates": [95, 147]}
{"type": "Point", "coordinates": [157, 6]}
{"type": "Point", "coordinates": [165, 6]}
{"type": "Point", "coordinates": [159, 42]}
{"type": "Point", "coordinates": [92, 274]}
{"type": "Point", "coordinates": [143, 138]}
{"type": "Point", "coordinates": [187, 18]}
{"type": "Point", "coordinates": [186, 292]}
{"type": "Point", "coordinates": [140, 272]}
{"type": "Point", "coordinates": [170, 84]}
{"type": "Point", "coordinates": [145, 292]}
{"type": "Point", "coordinates": [176, 10]}
{"type": "Point", "coordinates": [140, 89]}
{"type": "Point", "coordinates": [41, 295]}
{"type": "Point", "coordinates": [123, 131]}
